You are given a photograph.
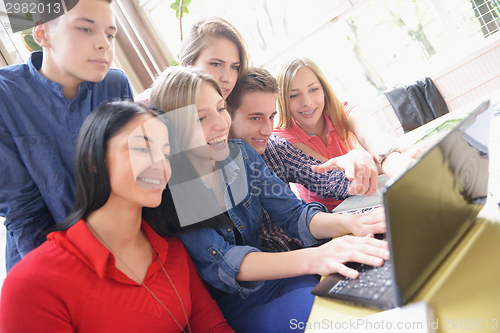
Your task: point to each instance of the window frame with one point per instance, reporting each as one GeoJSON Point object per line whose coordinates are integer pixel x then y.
{"type": "Point", "coordinates": [140, 47]}
{"type": "Point", "coordinates": [9, 53]}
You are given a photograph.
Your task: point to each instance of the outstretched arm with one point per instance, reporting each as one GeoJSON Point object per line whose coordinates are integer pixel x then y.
{"type": "Point", "coordinates": [292, 165]}
{"type": "Point", "coordinates": [361, 165]}
{"type": "Point", "coordinates": [325, 259]}
{"type": "Point", "coordinates": [359, 168]}
{"type": "Point", "coordinates": [377, 142]}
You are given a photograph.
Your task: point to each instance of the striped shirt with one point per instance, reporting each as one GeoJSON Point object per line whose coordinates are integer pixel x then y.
{"type": "Point", "coordinates": [292, 165]}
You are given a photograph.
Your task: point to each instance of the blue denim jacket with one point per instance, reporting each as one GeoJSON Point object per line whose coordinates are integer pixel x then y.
{"type": "Point", "coordinates": [214, 251]}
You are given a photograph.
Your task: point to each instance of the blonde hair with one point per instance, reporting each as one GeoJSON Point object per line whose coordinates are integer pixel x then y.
{"type": "Point", "coordinates": [215, 27]}
{"type": "Point", "coordinates": [333, 109]}
{"type": "Point", "coordinates": [178, 88]}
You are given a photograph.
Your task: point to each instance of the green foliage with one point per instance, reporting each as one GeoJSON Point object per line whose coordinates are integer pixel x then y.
{"type": "Point", "coordinates": [443, 128]}
{"type": "Point", "coordinates": [28, 41]}
{"type": "Point", "coordinates": [174, 63]}
{"type": "Point", "coordinates": [27, 37]}
{"type": "Point", "coordinates": [177, 4]}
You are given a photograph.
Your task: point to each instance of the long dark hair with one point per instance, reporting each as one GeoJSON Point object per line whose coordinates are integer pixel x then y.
{"type": "Point", "coordinates": [92, 182]}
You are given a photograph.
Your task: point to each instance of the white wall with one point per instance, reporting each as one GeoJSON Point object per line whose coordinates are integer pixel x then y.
{"type": "Point", "coordinates": [468, 80]}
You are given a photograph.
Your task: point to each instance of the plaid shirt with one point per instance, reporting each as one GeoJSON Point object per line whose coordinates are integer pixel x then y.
{"type": "Point", "coordinates": [292, 165]}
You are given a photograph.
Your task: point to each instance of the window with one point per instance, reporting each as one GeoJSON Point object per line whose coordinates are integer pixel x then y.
{"type": "Point", "coordinates": [386, 43]}
{"type": "Point", "coordinates": [268, 26]}
{"type": "Point", "coordinates": [363, 46]}
{"type": "Point", "coordinates": [12, 48]}
{"type": "Point", "coordinates": [485, 15]}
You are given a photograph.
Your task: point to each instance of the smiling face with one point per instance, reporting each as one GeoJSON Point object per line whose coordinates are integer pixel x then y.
{"type": "Point", "coordinates": [307, 99]}
{"type": "Point", "coordinates": [253, 121]}
{"type": "Point", "coordinates": [137, 161]}
{"type": "Point", "coordinates": [212, 128]}
{"type": "Point", "coordinates": [220, 59]}
{"type": "Point", "coordinates": [79, 45]}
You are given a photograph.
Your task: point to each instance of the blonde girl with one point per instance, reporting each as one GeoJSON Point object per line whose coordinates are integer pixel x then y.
{"type": "Point", "coordinates": [312, 118]}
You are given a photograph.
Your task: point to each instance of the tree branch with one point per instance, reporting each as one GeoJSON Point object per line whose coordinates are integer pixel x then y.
{"type": "Point", "coordinates": [181, 11]}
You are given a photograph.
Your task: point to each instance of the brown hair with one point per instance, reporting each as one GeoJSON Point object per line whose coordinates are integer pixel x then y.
{"type": "Point", "coordinates": [255, 79]}
{"type": "Point", "coordinates": [176, 91]}
{"type": "Point", "coordinates": [176, 88]}
{"type": "Point", "coordinates": [216, 27]}
{"type": "Point", "coordinates": [48, 16]}
{"type": "Point", "coordinates": [333, 107]}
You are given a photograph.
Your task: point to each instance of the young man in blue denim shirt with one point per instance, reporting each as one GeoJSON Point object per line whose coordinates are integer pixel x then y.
{"type": "Point", "coordinates": [43, 103]}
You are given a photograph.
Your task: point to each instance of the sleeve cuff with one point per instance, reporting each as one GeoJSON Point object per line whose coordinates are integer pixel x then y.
{"type": "Point", "coordinates": [229, 268]}
{"type": "Point", "coordinates": [305, 219]}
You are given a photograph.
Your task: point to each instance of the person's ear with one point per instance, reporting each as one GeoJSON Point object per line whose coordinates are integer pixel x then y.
{"type": "Point", "coordinates": [40, 34]}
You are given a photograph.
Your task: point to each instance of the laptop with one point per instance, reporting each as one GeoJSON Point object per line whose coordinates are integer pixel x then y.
{"type": "Point", "coordinates": [428, 210]}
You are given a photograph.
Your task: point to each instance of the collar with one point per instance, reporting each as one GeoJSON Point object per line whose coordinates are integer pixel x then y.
{"type": "Point", "coordinates": [231, 170]}
{"type": "Point", "coordinates": [81, 242]}
{"type": "Point", "coordinates": [329, 125]}
{"type": "Point", "coordinates": [230, 165]}
{"type": "Point", "coordinates": [308, 137]}
{"type": "Point", "coordinates": [34, 65]}
{"type": "Point", "coordinates": [228, 170]}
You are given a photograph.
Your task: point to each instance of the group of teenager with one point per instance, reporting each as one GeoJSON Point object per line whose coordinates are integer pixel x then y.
{"type": "Point", "coordinates": [173, 213]}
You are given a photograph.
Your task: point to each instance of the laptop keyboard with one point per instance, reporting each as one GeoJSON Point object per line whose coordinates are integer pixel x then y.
{"type": "Point", "coordinates": [371, 284]}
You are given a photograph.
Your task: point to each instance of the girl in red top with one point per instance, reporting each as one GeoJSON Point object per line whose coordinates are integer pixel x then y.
{"type": "Point", "coordinates": [105, 269]}
{"type": "Point", "coordinates": [313, 119]}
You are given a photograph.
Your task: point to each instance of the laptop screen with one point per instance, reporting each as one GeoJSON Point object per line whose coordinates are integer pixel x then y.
{"type": "Point", "coordinates": [429, 208]}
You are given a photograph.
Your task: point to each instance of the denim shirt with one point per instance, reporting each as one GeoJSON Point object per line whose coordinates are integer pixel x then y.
{"type": "Point", "coordinates": [38, 129]}
{"type": "Point", "coordinates": [214, 251]}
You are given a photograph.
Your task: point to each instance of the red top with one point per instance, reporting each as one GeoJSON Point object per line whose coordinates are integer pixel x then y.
{"type": "Point", "coordinates": [335, 147]}
{"type": "Point", "coordinates": [71, 284]}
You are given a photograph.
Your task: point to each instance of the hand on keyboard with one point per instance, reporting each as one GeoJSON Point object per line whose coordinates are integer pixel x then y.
{"type": "Point", "coordinates": [332, 256]}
